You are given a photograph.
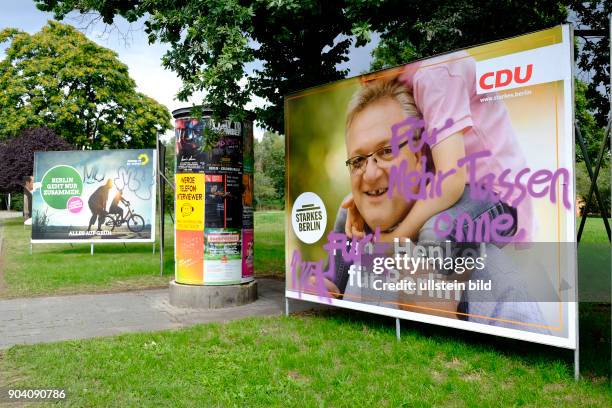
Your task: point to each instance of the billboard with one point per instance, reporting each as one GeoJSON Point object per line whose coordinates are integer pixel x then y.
{"type": "Point", "coordinates": [441, 191]}
{"type": "Point", "coordinates": [94, 196]}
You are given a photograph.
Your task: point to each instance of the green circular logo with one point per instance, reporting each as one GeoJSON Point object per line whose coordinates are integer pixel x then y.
{"type": "Point", "coordinates": [59, 184]}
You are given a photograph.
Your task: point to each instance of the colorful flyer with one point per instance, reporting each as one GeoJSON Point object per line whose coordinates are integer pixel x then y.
{"type": "Point", "coordinates": [222, 256]}
{"type": "Point", "coordinates": [223, 201]}
{"type": "Point", "coordinates": [189, 253]}
{"type": "Point", "coordinates": [189, 202]}
{"type": "Point", "coordinates": [247, 201]}
{"type": "Point", "coordinates": [248, 255]}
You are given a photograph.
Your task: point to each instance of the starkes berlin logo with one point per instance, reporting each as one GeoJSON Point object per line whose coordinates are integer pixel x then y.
{"type": "Point", "coordinates": [309, 218]}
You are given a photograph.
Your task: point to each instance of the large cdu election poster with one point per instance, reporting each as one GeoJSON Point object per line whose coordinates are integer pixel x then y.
{"type": "Point", "coordinates": [441, 191]}
{"type": "Point", "coordinates": [94, 196]}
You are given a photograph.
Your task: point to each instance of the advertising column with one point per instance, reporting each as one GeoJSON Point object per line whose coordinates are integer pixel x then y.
{"type": "Point", "coordinates": [209, 241]}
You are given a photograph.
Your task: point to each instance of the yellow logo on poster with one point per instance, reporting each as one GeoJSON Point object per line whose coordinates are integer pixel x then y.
{"type": "Point", "coordinates": [190, 202]}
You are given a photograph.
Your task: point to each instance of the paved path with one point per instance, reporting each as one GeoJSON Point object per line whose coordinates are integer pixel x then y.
{"type": "Point", "coordinates": [49, 319]}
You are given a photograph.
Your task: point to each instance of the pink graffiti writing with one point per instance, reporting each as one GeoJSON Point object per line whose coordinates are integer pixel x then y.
{"type": "Point", "coordinates": [412, 185]}
{"type": "Point", "coordinates": [309, 276]}
{"type": "Point", "coordinates": [484, 229]}
{"type": "Point", "coordinates": [406, 131]}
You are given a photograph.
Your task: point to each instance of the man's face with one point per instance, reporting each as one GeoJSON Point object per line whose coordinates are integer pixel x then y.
{"type": "Point", "coordinates": [30, 185]}
{"type": "Point", "coordinates": [370, 130]}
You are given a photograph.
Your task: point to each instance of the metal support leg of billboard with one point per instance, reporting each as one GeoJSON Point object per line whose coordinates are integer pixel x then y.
{"type": "Point", "coordinates": [162, 180]}
{"type": "Point", "coordinates": [577, 362]}
{"type": "Point", "coordinates": [593, 175]}
{"type": "Point", "coordinates": [398, 329]}
{"type": "Point", "coordinates": [161, 211]}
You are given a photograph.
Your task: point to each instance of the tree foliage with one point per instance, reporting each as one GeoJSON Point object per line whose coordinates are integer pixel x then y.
{"type": "Point", "coordinates": [169, 170]}
{"type": "Point", "coordinates": [60, 79]}
{"type": "Point", "coordinates": [583, 184]}
{"type": "Point", "coordinates": [592, 133]}
{"type": "Point", "coordinates": [594, 55]}
{"type": "Point", "coordinates": [423, 29]}
{"type": "Point", "coordinates": [300, 43]}
{"type": "Point", "coordinates": [270, 169]}
{"type": "Point", "coordinates": [17, 155]}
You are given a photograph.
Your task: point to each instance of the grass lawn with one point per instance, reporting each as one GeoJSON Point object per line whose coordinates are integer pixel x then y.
{"type": "Point", "coordinates": [66, 269]}
{"type": "Point", "coordinates": [594, 263]}
{"type": "Point", "coordinates": [336, 358]}
{"type": "Point", "coordinates": [62, 269]}
{"type": "Point", "coordinates": [340, 359]}
{"type": "Point", "coordinates": [56, 269]}
{"type": "Point", "coordinates": [270, 243]}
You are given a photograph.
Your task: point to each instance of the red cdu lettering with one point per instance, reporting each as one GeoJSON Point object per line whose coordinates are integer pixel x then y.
{"type": "Point", "coordinates": [517, 74]}
{"type": "Point", "coordinates": [483, 78]}
{"type": "Point", "coordinates": [504, 77]}
{"type": "Point", "coordinates": [499, 82]}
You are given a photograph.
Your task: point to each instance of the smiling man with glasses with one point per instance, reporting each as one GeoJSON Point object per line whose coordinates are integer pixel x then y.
{"type": "Point", "coordinates": [371, 116]}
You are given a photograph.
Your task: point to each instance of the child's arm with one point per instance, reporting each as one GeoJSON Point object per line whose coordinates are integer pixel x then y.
{"type": "Point", "coordinates": [445, 156]}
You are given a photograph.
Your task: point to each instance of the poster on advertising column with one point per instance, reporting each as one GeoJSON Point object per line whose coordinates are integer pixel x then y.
{"type": "Point", "coordinates": [441, 191]}
{"type": "Point", "coordinates": [189, 238]}
{"type": "Point", "coordinates": [94, 196]}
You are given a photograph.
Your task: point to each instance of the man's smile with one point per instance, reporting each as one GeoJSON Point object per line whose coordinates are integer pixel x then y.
{"type": "Point", "coordinates": [377, 192]}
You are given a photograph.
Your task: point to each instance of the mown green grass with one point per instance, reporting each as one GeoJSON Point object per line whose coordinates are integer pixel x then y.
{"type": "Point", "coordinates": [594, 262]}
{"type": "Point", "coordinates": [56, 269]}
{"type": "Point", "coordinates": [341, 360]}
{"type": "Point", "coordinates": [335, 358]}
{"type": "Point", "coordinates": [270, 243]}
{"type": "Point", "coordinates": [594, 230]}
{"type": "Point", "coordinates": [66, 269]}
{"type": "Point", "coordinates": [62, 268]}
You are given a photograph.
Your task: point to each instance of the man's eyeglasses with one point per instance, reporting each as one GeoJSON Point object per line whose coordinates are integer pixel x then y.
{"type": "Point", "coordinates": [357, 164]}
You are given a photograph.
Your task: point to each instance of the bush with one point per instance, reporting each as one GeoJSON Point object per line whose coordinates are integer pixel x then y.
{"type": "Point", "coordinates": [16, 202]}
{"type": "Point", "coordinates": [583, 182]}
{"type": "Point", "coordinates": [17, 155]}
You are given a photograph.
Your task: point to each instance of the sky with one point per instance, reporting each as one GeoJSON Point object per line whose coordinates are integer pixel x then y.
{"type": "Point", "coordinates": [129, 41]}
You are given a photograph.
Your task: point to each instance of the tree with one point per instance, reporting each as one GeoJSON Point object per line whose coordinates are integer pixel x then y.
{"type": "Point", "coordinates": [17, 155]}
{"type": "Point", "coordinates": [583, 184]}
{"type": "Point", "coordinates": [168, 170]}
{"type": "Point", "coordinates": [442, 26]}
{"type": "Point", "coordinates": [270, 168]}
{"type": "Point", "coordinates": [592, 132]}
{"type": "Point", "coordinates": [594, 56]}
{"type": "Point", "coordinates": [212, 40]}
{"type": "Point", "coordinates": [60, 79]}
{"type": "Point", "coordinates": [301, 42]}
